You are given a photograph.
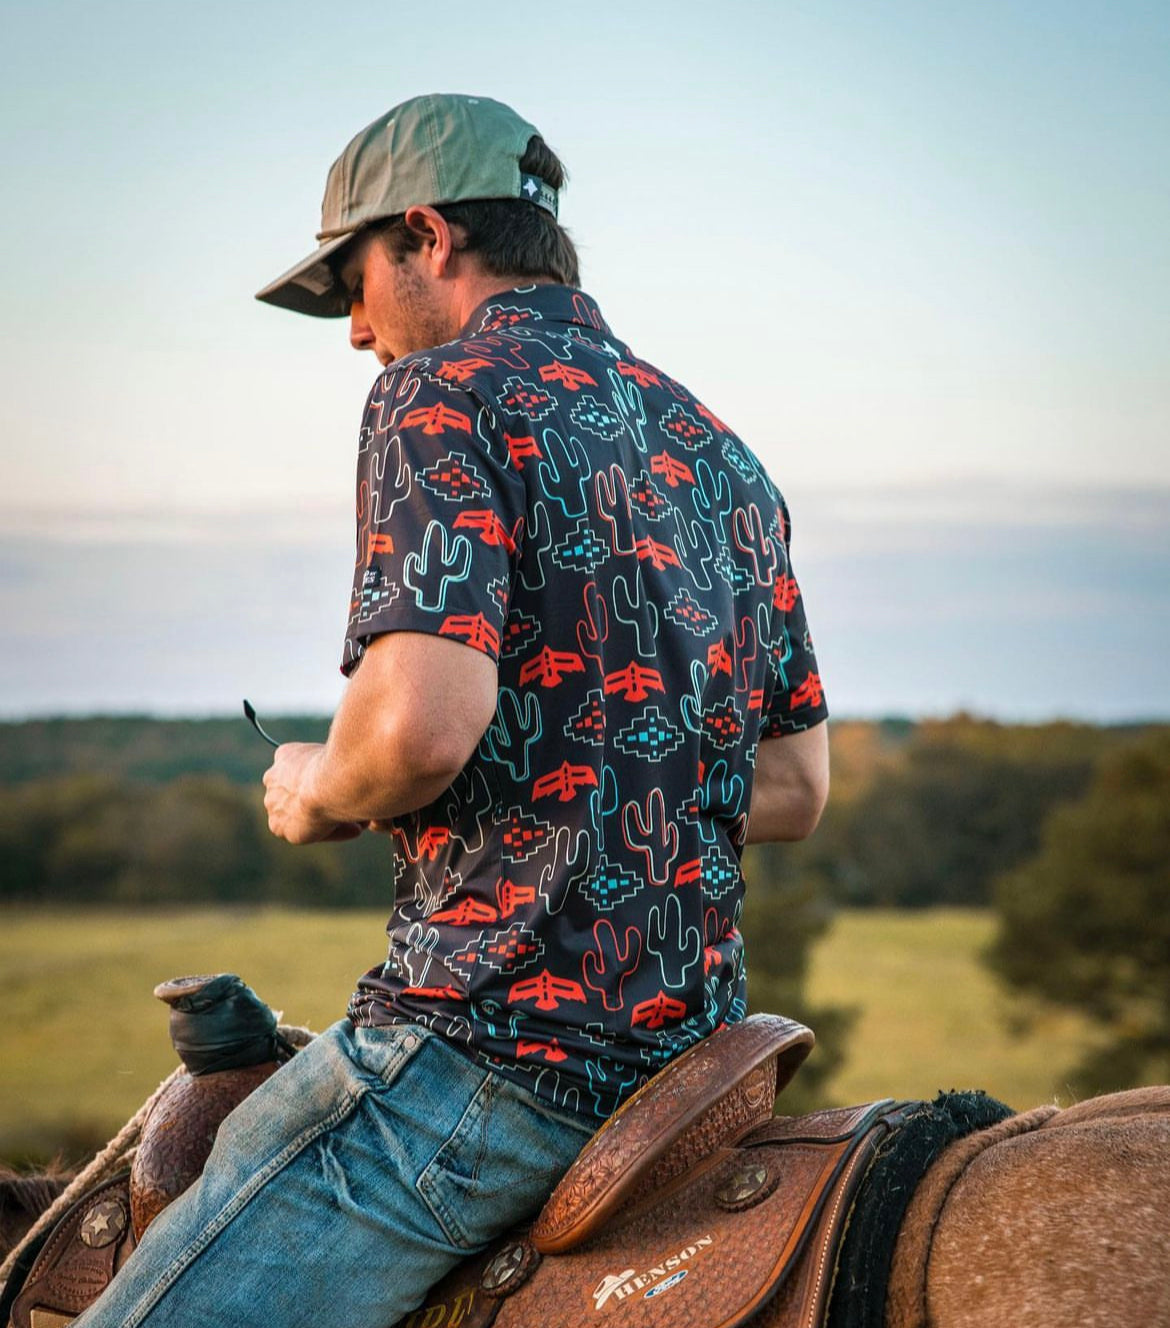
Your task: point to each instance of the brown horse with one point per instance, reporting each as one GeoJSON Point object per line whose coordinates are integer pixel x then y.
{"type": "Point", "coordinates": [1049, 1218]}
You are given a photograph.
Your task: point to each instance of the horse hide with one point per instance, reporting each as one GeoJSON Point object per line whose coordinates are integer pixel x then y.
{"type": "Point", "coordinates": [1009, 1227]}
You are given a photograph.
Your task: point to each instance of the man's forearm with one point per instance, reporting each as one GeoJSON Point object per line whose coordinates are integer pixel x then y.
{"type": "Point", "coordinates": [376, 778]}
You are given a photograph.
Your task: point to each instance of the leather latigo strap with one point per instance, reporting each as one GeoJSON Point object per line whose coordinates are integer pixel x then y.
{"type": "Point", "coordinates": [749, 1234]}
{"type": "Point", "coordinates": [87, 1247]}
{"type": "Point", "coordinates": [711, 1096]}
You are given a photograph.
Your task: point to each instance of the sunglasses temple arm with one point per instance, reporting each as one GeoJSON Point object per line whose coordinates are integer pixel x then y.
{"type": "Point", "coordinates": [250, 716]}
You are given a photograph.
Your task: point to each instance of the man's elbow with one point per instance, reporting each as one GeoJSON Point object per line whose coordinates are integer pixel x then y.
{"type": "Point", "coordinates": [431, 756]}
{"type": "Point", "coordinates": [435, 743]}
{"type": "Point", "coordinates": [808, 804]}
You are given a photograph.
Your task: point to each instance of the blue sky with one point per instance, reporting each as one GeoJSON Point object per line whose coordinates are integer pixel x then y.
{"type": "Point", "coordinates": [914, 253]}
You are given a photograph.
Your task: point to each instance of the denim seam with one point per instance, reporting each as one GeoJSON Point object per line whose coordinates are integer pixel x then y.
{"type": "Point", "coordinates": [230, 1210]}
{"type": "Point", "coordinates": [426, 1187]}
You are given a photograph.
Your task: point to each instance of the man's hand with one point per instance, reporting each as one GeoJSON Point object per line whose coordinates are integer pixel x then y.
{"type": "Point", "coordinates": [288, 800]}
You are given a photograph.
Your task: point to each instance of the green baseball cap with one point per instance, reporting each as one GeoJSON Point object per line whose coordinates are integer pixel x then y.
{"type": "Point", "coordinates": [442, 148]}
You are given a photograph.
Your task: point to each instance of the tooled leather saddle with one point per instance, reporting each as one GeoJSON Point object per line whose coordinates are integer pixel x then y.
{"type": "Point", "coordinates": [693, 1205]}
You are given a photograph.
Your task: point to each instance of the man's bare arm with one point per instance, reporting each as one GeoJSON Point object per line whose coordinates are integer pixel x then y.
{"type": "Point", "coordinates": [407, 724]}
{"type": "Point", "coordinates": [791, 785]}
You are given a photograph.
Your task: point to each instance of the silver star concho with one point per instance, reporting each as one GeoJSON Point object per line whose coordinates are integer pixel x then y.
{"type": "Point", "coordinates": [103, 1224]}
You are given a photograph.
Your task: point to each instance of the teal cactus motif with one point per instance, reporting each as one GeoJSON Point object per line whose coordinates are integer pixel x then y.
{"type": "Point", "coordinates": [677, 948]}
{"type": "Point", "coordinates": [634, 609]}
{"type": "Point", "coordinates": [440, 550]}
{"type": "Point", "coordinates": [517, 727]}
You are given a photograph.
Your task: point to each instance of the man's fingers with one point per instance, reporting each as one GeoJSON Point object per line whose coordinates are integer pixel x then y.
{"type": "Point", "coordinates": [347, 830]}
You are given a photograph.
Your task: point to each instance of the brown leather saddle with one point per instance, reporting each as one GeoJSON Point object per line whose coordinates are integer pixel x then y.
{"type": "Point", "coordinates": [692, 1205]}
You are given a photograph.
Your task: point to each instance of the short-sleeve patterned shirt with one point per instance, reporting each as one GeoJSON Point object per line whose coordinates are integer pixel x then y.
{"type": "Point", "coordinates": [568, 909]}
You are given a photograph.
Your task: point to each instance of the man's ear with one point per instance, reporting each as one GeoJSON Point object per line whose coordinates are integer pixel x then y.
{"type": "Point", "coordinates": [431, 226]}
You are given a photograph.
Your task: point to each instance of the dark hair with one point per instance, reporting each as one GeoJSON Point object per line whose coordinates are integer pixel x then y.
{"type": "Point", "coordinates": [511, 237]}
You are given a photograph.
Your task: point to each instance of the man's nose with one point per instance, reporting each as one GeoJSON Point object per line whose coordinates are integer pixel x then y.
{"type": "Point", "coordinates": [361, 337]}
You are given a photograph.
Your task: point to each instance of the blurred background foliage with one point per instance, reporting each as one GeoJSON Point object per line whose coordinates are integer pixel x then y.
{"type": "Point", "coordinates": [1059, 833]}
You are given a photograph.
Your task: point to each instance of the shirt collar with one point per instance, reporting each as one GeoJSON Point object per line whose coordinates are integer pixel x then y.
{"type": "Point", "coordinates": [546, 303]}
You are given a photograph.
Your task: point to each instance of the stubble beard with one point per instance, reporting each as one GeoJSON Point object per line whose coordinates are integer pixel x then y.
{"type": "Point", "coordinates": [424, 321]}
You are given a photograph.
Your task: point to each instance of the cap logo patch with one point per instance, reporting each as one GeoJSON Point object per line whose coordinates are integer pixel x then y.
{"type": "Point", "coordinates": [539, 192]}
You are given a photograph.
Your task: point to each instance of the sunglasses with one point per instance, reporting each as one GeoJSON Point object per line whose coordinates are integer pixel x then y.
{"type": "Point", "coordinates": [250, 716]}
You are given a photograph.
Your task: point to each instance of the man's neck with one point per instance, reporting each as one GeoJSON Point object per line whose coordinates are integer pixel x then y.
{"type": "Point", "coordinates": [475, 290]}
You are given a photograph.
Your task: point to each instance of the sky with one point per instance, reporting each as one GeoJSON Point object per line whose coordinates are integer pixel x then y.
{"type": "Point", "coordinates": [914, 253]}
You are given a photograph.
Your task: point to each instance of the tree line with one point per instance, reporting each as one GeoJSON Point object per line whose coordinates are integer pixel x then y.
{"type": "Point", "coordinates": [141, 811]}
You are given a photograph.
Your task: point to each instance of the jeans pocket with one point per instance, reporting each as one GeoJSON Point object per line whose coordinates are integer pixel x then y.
{"type": "Point", "coordinates": [449, 1183]}
{"type": "Point", "coordinates": [498, 1165]}
{"type": "Point", "coordinates": [383, 1050]}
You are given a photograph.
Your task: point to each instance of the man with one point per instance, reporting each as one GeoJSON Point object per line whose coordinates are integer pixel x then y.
{"type": "Point", "coordinates": [580, 681]}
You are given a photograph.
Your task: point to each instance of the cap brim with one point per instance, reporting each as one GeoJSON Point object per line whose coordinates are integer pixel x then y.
{"type": "Point", "coordinates": [311, 287]}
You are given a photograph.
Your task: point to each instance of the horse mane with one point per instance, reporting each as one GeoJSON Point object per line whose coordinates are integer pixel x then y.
{"type": "Point", "coordinates": [24, 1197]}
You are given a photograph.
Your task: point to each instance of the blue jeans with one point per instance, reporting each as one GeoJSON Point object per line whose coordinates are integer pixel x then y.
{"type": "Point", "coordinates": [343, 1188]}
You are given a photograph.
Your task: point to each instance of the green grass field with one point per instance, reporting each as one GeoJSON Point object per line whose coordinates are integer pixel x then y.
{"type": "Point", "coordinates": [83, 1042]}
{"type": "Point", "coordinates": [930, 1016]}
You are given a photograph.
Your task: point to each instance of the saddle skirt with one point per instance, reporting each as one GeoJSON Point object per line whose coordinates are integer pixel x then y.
{"type": "Point", "coordinates": [748, 1233]}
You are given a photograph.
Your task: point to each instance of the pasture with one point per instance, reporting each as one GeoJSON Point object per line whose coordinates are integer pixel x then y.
{"type": "Point", "coordinates": [83, 1042]}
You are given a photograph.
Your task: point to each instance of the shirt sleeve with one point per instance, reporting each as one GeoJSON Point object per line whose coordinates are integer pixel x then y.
{"type": "Point", "coordinates": [798, 698]}
{"type": "Point", "coordinates": [440, 516]}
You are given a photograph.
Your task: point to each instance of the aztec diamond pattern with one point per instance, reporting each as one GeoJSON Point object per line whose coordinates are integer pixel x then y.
{"type": "Point", "coordinates": [582, 550]}
{"type": "Point", "coordinates": [453, 478]}
{"type": "Point", "coordinates": [611, 885]}
{"type": "Point", "coordinates": [588, 723]}
{"type": "Point", "coordinates": [567, 910]}
{"type": "Point", "coordinates": [685, 610]}
{"type": "Point", "coordinates": [682, 426]}
{"type": "Point", "coordinates": [650, 735]}
{"type": "Point", "coordinates": [522, 835]}
{"type": "Point", "coordinates": [650, 500]}
{"type": "Point", "coordinates": [597, 418]}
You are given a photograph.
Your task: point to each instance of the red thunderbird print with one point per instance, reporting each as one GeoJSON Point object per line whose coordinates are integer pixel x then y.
{"type": "Point", "coordinates": [672, 471]}
{"type": "Point", "coordinates": [547, 991]}
{"type": "Point", "coordinates": [460, 371]}
{"type": "Point", "coordinates": [551, 1051]}
{"type": "Point", "coordinates": [634, 682]}
{"type": "Point", "coordinates": [550, 666]}
{"type": "Point", "coordinates": [380, 543]}
{"type": "Point", "coordinates": [466, 913]}
{"type": "Point", "coordinates": [490, 527]}
{"type": "Point", "coordinates": [656, 1011]}
{"type": "Point", "coordinates": [474, 629]}
{"type": "Point", "coordinates": [565, 782]}
{"type": "Point", "coordinates": [436, 419]}
{"type": "Point", "coordinates": [785, 593]}
{"type": "Point", "coordinates": [659, 555]}
{"type": "Point", "coordinates": [521, 448]}
{"type": "Point", "coordinates": [808, 693]}
{"type": "Point", "coordinates": [718, 659]}
{"type": "Point", "coordinates": [510, 896]}
{"type": "Point", "coordinates": [432, 839]}
{"type": "Point", "coordinates": [639, 373]}
{"type": "Point", "coordinates": [573, 379]}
